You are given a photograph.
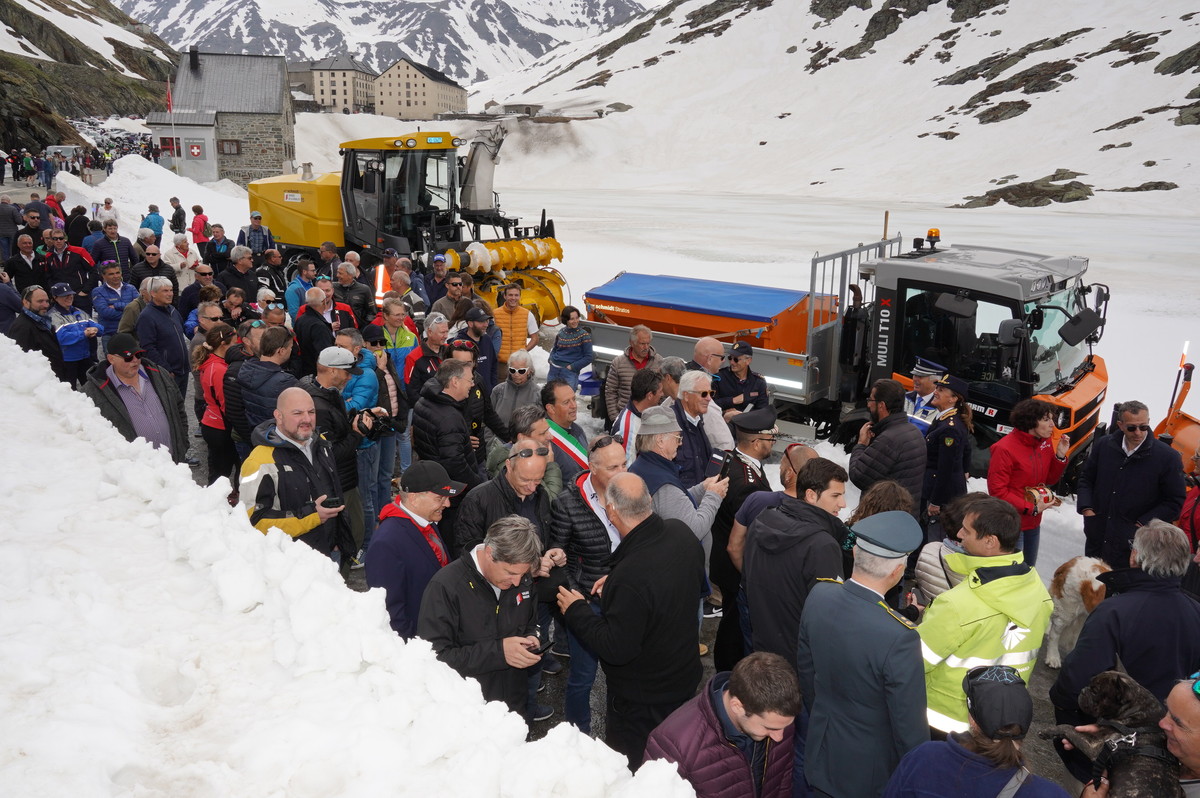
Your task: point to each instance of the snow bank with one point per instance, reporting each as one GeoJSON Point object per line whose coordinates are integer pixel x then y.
{"type": "Point", "coordinates": [154, 643]}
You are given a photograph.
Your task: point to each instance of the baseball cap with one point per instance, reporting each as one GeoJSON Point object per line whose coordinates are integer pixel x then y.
{"type": "Point", "coordinates": [390, 253]}
{"type": "Point", "coordinates": [337, 358]}
{"type": "Point", "coordinates": [476, 314]}
{"type": "Point", "coordinates": [997, 697]}
{"type": "Point", "coordinates": [255, 215]}
{"type": "Point", "coordinates": [62, 289]}
{"type": "Point", "coordinates": [742, 349]}
{"type": "Point", "coordinates": [890, 535]}
{"type": "Point", "coordinates": [428, 476]}
{"type": "Point", "coordinates": [372, 333]}
{"type": "Point", "coordinates": [439, 258]}
{"type": "Point", "coordinates": [123, 345]}
{"type": "Point", "coordinates": [657, 420]}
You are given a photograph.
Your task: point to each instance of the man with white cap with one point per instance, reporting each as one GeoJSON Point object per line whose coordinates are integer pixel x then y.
{"type": "Point", "coordinates": [864, 692]}
{"type": "Point", "coordinates": [918, 403]}
{"type": "Point", "coordinates": [407, 548]}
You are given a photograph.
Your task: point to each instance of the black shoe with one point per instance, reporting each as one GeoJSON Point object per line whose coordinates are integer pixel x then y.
{"type": "Point", "coordinates": [712, 612]}
{"type": "Point", "coordinates": [542, 712]}
{"type": "Point", "coordinates": [551, 666]}
{"type": "Point", "coordinates": [563, 651]}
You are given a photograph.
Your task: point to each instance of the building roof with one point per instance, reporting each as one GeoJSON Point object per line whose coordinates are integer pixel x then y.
{"type": "Point", "coordinates": [300, 66]}
{"type": "Point", "coordinates": [428, 72]}
{"type": "Point", "coordinates": [342, 61]}
{"type": "Point", "coordinates": [224, 82]}
{"type": "Point", "coordinates": [189, 118]}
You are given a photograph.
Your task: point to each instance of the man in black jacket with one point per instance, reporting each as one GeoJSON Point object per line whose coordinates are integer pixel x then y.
{"type": "Point", "coordinates": [889, 447]}
{"type": "Point", "coordinates": [126, 379]}
{"type": "Point", "coordinates": [479, 613]}
{"type": "Point", "coordinates": [359, 297]}
{"type": "Point", "coordinates": [313, 331]}
{"type": "Point", "coordinates": [790, 547]}
{"type": "Point", "coordinates": [1129, 479]}
{"type": "Point", "coordinates": [240, 273]}
{"type": "Point", "coordinates": [580, 527]}
{"type": "Point", "coordinates": [516, 490]}
{"type": "Point", "coordinates": [647, 637]}
{"type": "Point", "coordinates": [440, 432]}
{"type": "Point", "coordinates": [32, 331]}
{"type": "Point", "coordinates": [160, 333]}
{"type": "Point", "coordinates": [249, 334]}
{"type": "Point", "coordinates": [152, 266]}
{"type": "Point", "coordinates": [263, 379]}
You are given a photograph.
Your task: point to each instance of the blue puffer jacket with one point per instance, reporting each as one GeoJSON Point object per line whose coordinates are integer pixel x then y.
{"type": "Point", "coordinates": [160, 332]}
{"type": "Point", "coordinates": [262, 381]}
{"type": "Point", "coordinates": [362, 391]}
{"type": "Point", "coordinates": [70, 327]}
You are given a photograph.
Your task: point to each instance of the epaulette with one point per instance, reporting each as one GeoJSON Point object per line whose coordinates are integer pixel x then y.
{"type": "Point", "coordinates": [837, 580]}
{"type": "Point", "coordinates": [898, 616]}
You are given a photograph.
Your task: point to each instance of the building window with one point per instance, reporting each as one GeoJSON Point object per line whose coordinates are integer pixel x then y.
{"type": "Point", "coordinates": [229, 146]}
{"type": "Point", "coordinates": [169, 146]}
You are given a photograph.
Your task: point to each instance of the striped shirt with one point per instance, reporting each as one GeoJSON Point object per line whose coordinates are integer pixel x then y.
{"type": "Point", "coordinates": [146, 411]}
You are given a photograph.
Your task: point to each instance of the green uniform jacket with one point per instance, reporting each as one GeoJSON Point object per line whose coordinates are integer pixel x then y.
{"type": "Point", "coordinates": [996, 616]}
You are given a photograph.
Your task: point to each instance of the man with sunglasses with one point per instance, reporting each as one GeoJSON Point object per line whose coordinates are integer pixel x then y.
{"type": "Point", "coordinates": [64, 265]}
{"type": "Point", "coordinates": [1129, 479]}
{"type": "Point", "coordinates": [1146, 623]}
{"type": "Point", "coordinates": [739, 389]}
{"type": "Point", "coordinates": [153, 266]}
{"type": "Point", "coordinates": [138, 398]}
{"type": "Point", "coordinates": [454, 292]}
{"type": "Point", "coordinates": [189, 297]}
{"type": "Point", "coordinates": [271, 275]}
{"type": "Point", "coordinates": [475, 332]}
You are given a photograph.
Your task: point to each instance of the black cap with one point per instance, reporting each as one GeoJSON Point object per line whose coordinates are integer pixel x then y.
{"type": "Point", "coordinates": [428, 476]}
{"type": "Point", "coordinates": [372, 333]}
{"type": "Point", "coordinates": [123, 345]}
{"type": "Point", "coordinates": [741, 349]}
{"type": "Point", "coordinates": [956, 384]}
{"type": "Point", "coordinates": [390, 253]}
{"type": "Point", "coordinates": [477, 314]}
{"type": "Point", "coordinates": [761, 421]}
{"type": "Point", "coordinates": [891, 535]}
{"type": "Point", "coordinates": [997, 697]}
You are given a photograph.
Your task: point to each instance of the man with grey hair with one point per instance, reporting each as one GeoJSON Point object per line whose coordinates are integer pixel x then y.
{"type": "Point", "coordinates": [313, 331]}
{"type": "Point", "coordinates": [328, 260]}
{"type": "Point", "coordinates": [423, 361]}
{"type": "Point", "coordinates": [1129, 479]}
{"type": "Point", "coordinates": [357, 296]}
{"type": "Point", "coordinates": [638, 355]}
{"type": "Point", "coordinates": [133, 310]}
{"type": "Point", "coordinates": [240, 272]}
{"type": "Point", "coordinates": [479, 612]}
{"type": "Point", "coordinates": [410, 296]}
{"type": "Point", "coordinates": [857, 735]}
{"type": "Point", "coordinates": [646, 635]}
{"type": "Point", "coordinates": [145, 238]}
{"type": "Point", "coordinates": [160, 333]}
{"type": "Point", "coordinates": [695, 398]}
{"type": "Point", "coordinates": [1146, 622]}
{"type": "Point", "coordinates": [25, 267]}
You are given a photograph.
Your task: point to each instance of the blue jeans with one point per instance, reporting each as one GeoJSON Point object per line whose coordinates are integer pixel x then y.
{"type": "Point", "coordinates": [368, 473]}
{"type": "Point", "coordinates": [577, 706]}
{"type": "Point", "coordinates": [404, 444]}
{"type": "Point", "coordinates": [6, 243]}
{"type": "Point", "coordinates": [1028, 543]}
{"type": "Point", "coordinates": [387, 463]}
{"type": "Point", "coordinates": [569, 377]}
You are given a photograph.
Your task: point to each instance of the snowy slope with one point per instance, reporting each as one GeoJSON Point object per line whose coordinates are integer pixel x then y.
{"type": "Point", "coordinates": [760, 96]}
{"type": "Point", "coordinates": [466, 39]}
{"type": "Point", "coordinates": [157, 645]}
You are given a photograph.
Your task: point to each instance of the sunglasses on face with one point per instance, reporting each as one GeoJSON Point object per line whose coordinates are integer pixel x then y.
{"type": "Point", "coordinates": [1136, 427]}
{"type": "Point", "coordinates": [541, 451]}
{"type": "Point", "coordinates": [57, 238]}
{"type": "Point", "coordinates": [454, 285]}
{"type": "Point", "coordinates": [212, 318]}
{"type": "Point", "coordinates": [512, 370]}
{"type": "Point", "coordinates": [704, 394]}
{"type": "Point", "coordinates": [151, 254]}
{"type": "Point", "coordinates": [276, 306]}
{"type": "Point", "coordinates": [204, 274]}
{"type": "Point", "coordinates": [257, 323]}
{"type": "Point", "coordinates": [129, 357]}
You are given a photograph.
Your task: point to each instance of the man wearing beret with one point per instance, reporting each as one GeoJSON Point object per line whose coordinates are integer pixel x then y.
{"type": "Point", "coordinates": [864, 692]}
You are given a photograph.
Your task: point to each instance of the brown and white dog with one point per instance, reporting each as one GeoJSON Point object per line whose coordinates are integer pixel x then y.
{"type": "Point", "coordinates": [1076, 592]}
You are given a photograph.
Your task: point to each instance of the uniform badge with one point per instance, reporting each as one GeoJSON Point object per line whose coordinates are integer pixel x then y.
{"type": "Point", "coordinates": [948, 440]}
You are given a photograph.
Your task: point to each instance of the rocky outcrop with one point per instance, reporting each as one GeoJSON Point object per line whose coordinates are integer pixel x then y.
{"type": "Point", "coordinates": [1181, 62]}
{"type": "Point", "coordinates": [1153, 185]}
{"type": "Point", "coordinates": [1035, 193]}
{"type": "Point", "coordinates": [1001, 111]}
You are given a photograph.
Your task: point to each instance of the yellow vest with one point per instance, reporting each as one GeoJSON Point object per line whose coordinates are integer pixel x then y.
{"type": "Point", "coordinates": [514, 331]}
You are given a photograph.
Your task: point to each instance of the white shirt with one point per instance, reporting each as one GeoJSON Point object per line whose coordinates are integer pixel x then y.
{"type": "Point", "coordinates": [864, 587]}
{"type": "Point", "coordinates": [475, 556]}
{"type": "Point", "coordinates": [304, 447]}
{"type": "Point", "coordinates": [597, 506]}
{"type": "Point", "coordinates": [1125, 446]}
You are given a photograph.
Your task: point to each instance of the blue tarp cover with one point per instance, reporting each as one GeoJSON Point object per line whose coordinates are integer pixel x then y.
{"type": "Point", "coordinates": [698, 296]}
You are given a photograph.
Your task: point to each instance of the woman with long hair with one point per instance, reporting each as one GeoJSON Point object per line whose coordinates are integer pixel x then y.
{"type": "Point", "coordinates": [985, 761]}
{"type": "Point", "coordinates": [947, 450]}
{"type": "Point", "coordinates": [209, 360]}
{"type": "Point", "coordinates": [572, 351]}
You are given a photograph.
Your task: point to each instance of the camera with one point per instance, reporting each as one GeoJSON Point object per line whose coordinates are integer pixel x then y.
{"type": "Point", "coordinates": [382, 425]}
{"type": "Point", "coordinates": [333, 501]}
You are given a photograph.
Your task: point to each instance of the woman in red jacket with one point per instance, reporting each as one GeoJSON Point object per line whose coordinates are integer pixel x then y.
{"type": "Point", "coordinates": [1024, 458]}
{"type": "Point", "coordinates": [209, 360]}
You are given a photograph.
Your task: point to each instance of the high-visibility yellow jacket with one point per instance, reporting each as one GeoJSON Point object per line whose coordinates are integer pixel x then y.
{"type": "Point", "coordinates": [996, 616]}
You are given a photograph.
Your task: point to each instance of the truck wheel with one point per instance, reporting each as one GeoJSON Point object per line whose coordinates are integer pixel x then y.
{"type": "Point", "coordinates": [291, 256]}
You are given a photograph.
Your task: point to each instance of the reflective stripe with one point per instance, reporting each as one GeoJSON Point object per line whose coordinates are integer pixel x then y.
{"type": "Point", "coordinates": [1013, 659]}
{"type": "Point", "coordinates": [944, 722]}
{"type": "Point", "coordinates": [930, 656]}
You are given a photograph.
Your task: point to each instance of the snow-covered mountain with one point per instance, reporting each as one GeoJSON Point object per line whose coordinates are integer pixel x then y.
{"type": "Point", "coordinates": [909, 99]}
{"type": "Point", "coordinates": [468, 40]}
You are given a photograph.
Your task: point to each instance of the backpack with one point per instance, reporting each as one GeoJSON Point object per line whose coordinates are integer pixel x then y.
{"type": "Point", "coordinates": [207, 229]}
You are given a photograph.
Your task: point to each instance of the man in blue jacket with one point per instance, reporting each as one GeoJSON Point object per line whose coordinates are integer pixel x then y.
{"type": "Point", "coordinates": [160, 332]}
{"type": "Point", "coordinates": [1129, 479]}
{"type": "Point", "coordinates": [407, 548]}
{"type": "Point", "coordinates": [110, 298]}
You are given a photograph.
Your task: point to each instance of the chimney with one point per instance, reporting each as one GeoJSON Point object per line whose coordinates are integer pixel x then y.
{"type": "Point", "coordinates": [193, 59]}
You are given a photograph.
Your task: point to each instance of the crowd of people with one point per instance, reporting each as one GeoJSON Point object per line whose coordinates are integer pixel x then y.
{"type": "Point", "coordinates": [414, 440]}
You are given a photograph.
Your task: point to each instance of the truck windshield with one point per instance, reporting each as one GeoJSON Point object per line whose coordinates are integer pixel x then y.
{"type": "Point", "coordinates": [1053, 359]}
{"type": "Point", "coordinates": [416, 183]}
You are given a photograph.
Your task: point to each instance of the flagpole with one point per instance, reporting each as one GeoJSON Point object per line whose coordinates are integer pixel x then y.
{"type": "Point", "coordinates": [176, 152]}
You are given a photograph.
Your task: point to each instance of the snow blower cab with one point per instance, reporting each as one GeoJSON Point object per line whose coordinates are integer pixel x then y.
{"type": "Point", "coordinates": [415, 194]}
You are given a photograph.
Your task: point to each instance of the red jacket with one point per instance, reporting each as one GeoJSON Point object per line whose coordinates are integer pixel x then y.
{"type": "Point", "coordinates": [1019, 460]}
{"type": "Point", "coordinates": [693, 738]}
{"type": "Point", "coordinates": [212, 382]}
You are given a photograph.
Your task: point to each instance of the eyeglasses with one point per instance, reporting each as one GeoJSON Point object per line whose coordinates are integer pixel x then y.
{"type": "Point", "coordinates": [512, 370]}
{"type": "Point", "coordinates": [464, 346]}
{"type": "Point", "coordinates": [129, 357]}
{"type": "Point", "coordinates": [603, 441]}
{"type": "Point", "coordinates": [1136, 427]}
{"type": "Point", "coordinates": [872, 400]}
{"type": "Point", "coordinates": [212, 318]}
{"type": "Point", "coordinates": [455, 285]}
{"type": "Point", "coordinates": [151, 254]}
{"type": "Point", "coordinates": [276, 306]}
{"type": "Point", "coordinates": [58, 238]}
{"type": "Point", "coordinates": [204, 274]}
{"type": "Point", "coordinates": [703, 394]}
{"type": "Point", "coordinates": [541, 451]}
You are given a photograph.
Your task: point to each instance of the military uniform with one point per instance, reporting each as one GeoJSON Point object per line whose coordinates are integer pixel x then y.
{"type": "Point", "coordinates": [864, 691]}
{"type": "Point", "coordinates": [948, 459]}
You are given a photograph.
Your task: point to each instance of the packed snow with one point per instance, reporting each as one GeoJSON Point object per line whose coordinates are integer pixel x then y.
{"type": "Point", "coordinates": [171, 649]}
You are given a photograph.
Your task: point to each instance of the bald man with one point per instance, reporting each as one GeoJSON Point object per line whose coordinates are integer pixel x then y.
{"type": "Point", "coordinates": [290, 481]}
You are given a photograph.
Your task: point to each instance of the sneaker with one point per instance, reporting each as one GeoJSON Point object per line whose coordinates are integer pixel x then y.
{"type": "Point", "coordinates": [359, 560]}
{"type": "Point", "coordinates": [712, 612]}
{"type": "Point", "coordinates": [562, 650]}
{"type": "Point", "coordinates": [541, 686]}
{"type": "Point", "coordinates": [551, 666]}
{"type": "Point", "coordinates": [542, 712]}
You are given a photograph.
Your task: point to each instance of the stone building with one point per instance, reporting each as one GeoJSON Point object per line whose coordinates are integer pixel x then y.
{"type": "Point", "coordinates": [343, 85]}
{"type": "Point", "coordinates": [408, 90]}
{"type": "Point", "coordinates": [231, 117]}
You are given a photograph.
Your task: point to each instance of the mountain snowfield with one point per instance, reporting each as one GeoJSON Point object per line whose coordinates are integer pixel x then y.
{"type": "Point", "coordinates": [466, 39]}
{"type": "Point", "coordinates": [754, 96]}
{"type": "Point", "coordinates": [80, 21]}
